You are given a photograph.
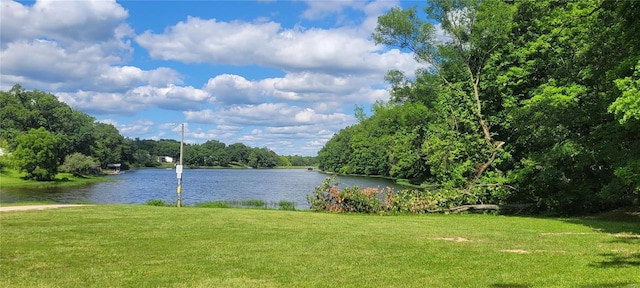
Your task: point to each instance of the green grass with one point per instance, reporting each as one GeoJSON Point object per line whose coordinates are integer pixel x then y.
{"type": "Point", "coordinates": [147, 246]}
{"type": "Point", "coordinates": [248, 203]}
{"type": "Point", "coordinates": [214, 204]}
{"type": "Point", "coordinates": [13, 178]}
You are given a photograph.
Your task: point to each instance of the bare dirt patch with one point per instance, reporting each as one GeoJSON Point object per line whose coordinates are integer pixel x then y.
{"type": "Point", "coordinates": [38, 207]}
{"type": "Point", "coordinates": [520, 251]}
{"type": "Point", "coordinates": [628, 236]}
{"type": "Point", "coordinates": [454, 239]}
{"type": "Point", "coordinates": [568, 233]}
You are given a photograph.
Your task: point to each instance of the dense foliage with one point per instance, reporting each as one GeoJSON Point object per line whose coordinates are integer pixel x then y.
{"type": "Point", "coordinates": [40, 135]}
{"type": "Point", "coordinates": [523, 102]}
{"type": "Point", "coordinates": [36, 154]}
{"type": "Point", "coordinates": [79, 164]}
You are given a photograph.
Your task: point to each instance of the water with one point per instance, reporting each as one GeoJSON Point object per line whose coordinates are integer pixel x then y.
{"type": "Point", "coordinates": [199, 185]}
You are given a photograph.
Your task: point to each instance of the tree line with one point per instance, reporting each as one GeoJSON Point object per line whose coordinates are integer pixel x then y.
{"type": "Point", "coordinates": [522, 102]}
{"type": "Point", "coordinates": [213, 153]}
{"type": "Point", "coordinates": [41, 135]}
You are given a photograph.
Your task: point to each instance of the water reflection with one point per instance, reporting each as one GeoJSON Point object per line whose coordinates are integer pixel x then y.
{"type": "Point", "coordinates": [199, 185]}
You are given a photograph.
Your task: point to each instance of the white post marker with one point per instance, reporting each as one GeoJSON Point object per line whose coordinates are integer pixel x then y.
{"type": "Point", "coordinates": [179, 168]}
{"type": "Point", "coordinates": [179, 174]}
{"type": "Point", "coordinates": [179, 171]}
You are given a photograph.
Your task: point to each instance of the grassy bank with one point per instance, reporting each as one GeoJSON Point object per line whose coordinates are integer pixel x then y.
{"type": "Point", "coordinates": [13, 178]}
{"type": "Point", "coordinates": [146, 246]}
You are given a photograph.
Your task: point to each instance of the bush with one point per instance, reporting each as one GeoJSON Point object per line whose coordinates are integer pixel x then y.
{"type": "Point", "coordinates": [286, 205]}
{"type": "Point", "coordinates": [328, 197]}
{"type": "Point", "coordinates": [78, 164]}
{"type": "Point", "coordinates": [156, 202]}
{"type": "Point", "coordinates": [253, 203]}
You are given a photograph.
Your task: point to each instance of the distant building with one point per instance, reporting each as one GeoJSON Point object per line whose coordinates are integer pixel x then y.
{"type": "Point", "coordinates": [165, 159]}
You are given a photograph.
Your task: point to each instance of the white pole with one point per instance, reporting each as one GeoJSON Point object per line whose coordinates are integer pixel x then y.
{"type": "Point", "coordinates": [179, 168]}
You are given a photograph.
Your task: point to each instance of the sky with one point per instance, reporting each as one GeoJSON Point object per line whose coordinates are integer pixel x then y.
{"type": "Point", "coordinates": [286, 75]}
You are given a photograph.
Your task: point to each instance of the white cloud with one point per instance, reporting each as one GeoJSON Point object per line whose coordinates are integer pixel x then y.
{"type": "Point", "coordinates": [171, 97]}
{"type": "Point", "coordinates": [89, 68]}
{"type": "Point", "coordinates": [266, 114]}
{"type": "Point", "coordinates": [72, 46]}
{"type": "Point", "coordinates": [325, 90]}
{"type": "Point", "coordinates": [235, 89]}
{"type": "Point", "coordinates": [290, 140]}
{"type": "Point", "coordinates": [198, 40]}
{"type": "Point", "coordinates": [77, 21]}
{"type": "Point", "coordinates": [139, 98]}
{"type": "Point", "coordinates": [100, 102]}
{"type": "Point", "coordinates": [330, 51]}
{"type": "Point", "coordinates": [133, 129]}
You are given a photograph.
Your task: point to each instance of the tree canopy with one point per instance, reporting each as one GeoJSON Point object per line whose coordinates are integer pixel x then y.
{"type": "Point", "coordinates": [518, 102]}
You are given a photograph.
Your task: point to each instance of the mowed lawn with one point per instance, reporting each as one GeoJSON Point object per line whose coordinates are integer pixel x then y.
{"type": "Point", "coordinates": [146, 246]}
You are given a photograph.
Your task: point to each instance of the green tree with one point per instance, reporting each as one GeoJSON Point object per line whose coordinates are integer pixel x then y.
{"type": "Point", "coordinates": [627, 106]}
{"type": "Point", "coordinates": [168, 147]}
{"type": "Point", "coordinates": [297, 160]}
{"type": "Point", "coordinates": [109, 144]}
{"type": "Point", "coordinates": [36, 154]}
{"type": "Point", "coordinates": [334, 156]}
{"type": "Point", "coordinates": [238, 153]}
{"type": "Point", "coordinates": [557, 78]}
{"type": "Point", "coordinates": [262, 158]}
{"type": "Point", "coordinates": [21, 110]}
{"type": "Point", "coordinates": [78, 164]}
{"type": "Point", "coordinates": [213, 151]}
{"type": "Point", "coordinates": [460, 144]}
{"type": "Point", "coordinates": [284, 161]}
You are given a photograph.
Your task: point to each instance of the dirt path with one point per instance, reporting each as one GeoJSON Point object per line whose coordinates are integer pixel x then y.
{"type": "Point", "coordinates": [38, 207]}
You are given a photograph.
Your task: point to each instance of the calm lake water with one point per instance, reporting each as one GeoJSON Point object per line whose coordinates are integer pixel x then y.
{"type": "Point", "coordinates": [199, 185]}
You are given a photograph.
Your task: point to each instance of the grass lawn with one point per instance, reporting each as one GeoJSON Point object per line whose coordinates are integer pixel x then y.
{"type": "Point", "coordinates": [13, 178]}
{"type": "Point", "coordinates": [147, 246]}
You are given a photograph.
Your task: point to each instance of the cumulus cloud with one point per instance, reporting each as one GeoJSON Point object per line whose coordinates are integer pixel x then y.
{"type": "Point", "coordinates": [332, 51]}
{"type": "Point", "coordinates": [133, 129]}
{"type": "Point", "coordinates": [235, 89]}
{"type": "Point", "coordinates": [266, 114]}
{"type": "Point", "coordinates": [137, 99]}
{"type": "Point", "coordinates": [72, 46]}
{"type": "Point", "coordinates": [323, 90]}
{"type": "Point", "coordinates": [81, 21]}
{"type": "Point", "coordinates": [100, 102]}
{"type": "Point", "coordinates": [171, 97]}
{"type": "Point", "coordinates": [304, 140]}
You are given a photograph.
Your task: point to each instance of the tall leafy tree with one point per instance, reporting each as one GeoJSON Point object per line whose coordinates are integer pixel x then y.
{"type": "Point", "coordinates": [262, 158]}
{"type": "Point", "coordinates": [461, 145]}
{"type": "Point", "coordinates": [109, 144]}
{"type": "Point", "coordinates": [557, 75]}
{"type": "Point", "coordinates": [36, 154]}
{"type": "Point", "coordinates": [238, 152]}
{"type": "Point", "coordinates": [334, 156]}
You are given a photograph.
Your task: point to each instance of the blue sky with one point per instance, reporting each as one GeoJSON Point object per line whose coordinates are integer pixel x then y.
{"type": "Point", "coordinates": [285, 75]}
